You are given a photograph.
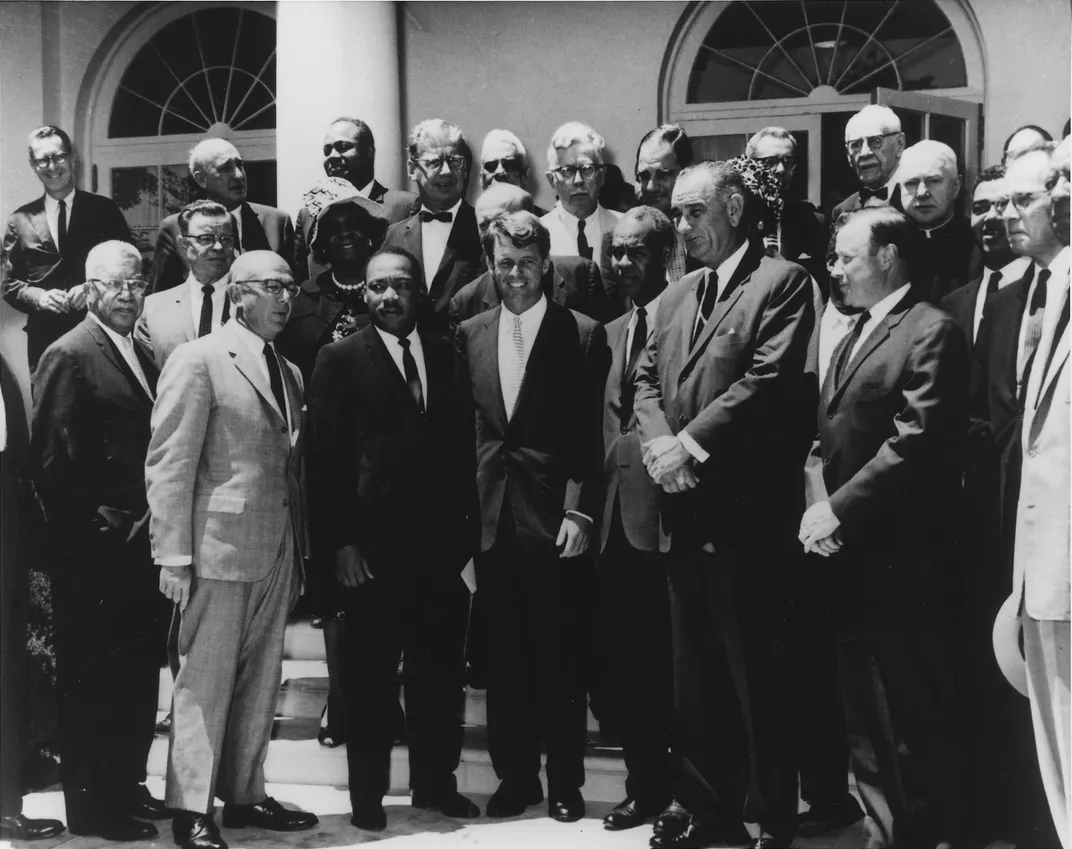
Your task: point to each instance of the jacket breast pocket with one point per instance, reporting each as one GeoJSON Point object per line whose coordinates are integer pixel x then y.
{"type": "Point", "coordinates": [727, 345]}
{"type": "Point", "coordinates": [225, 504]}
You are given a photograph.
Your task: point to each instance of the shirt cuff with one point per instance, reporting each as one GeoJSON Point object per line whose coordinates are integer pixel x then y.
{"type": "Point", "coordinates": [693, 447]}
{"type": "Point", "coordinates": [584, 516]}
{"type": "Point", "coordinates": [175, 560]}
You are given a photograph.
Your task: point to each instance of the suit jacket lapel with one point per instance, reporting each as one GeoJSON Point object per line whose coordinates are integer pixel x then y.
{"type": "Point", "coordinates": [112, 355]}
{"type": "Point", "coordinates": [535, 363]}
{"type": "Point", "coordinates": [486, 345]}
{"type": "Point", "coordinates": [378, 191]}
{"type": "Point", "coordinates": [412, 242]}
{"type": "Point", "coordinates": [185, 318]}
{"type": "Point", "coordinates": [1054, 358]}
{"type": "Point", "coordinates": [40, 224]}
{"type": "Point", "coordinates": [875, 338]}
{"type": "Point", "coordinates": [246, 363]}
{"type": "Point", "coordinates": [253, 236]}
{"type": "Point", "coordinates": [730, 295]}
{"type": "Point", "coordinates": [381, 357]}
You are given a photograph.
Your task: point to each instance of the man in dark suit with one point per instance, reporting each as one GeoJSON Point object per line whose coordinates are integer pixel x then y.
{"type": "Point", "coordinates": [349, 155]}
{"type": "Point", "coordinates": [874, 144]}
{"type": "Point", "coordinates": [891, 421]}
{"type": "Point", "coordinates": [1001, 268]}
{"type": "Point", "coordinates": [572, 281]}
{"type": "Point", "coordinates": [661, 155]}
{"type": "Point", "coordinates": [217, 167]}
{"type": "Point", "coordinates": [945, 255]}
{"type": "Point", "coordinates": [723, 413]}
{"type": "Point", "coordinates": [388, 444]}
{"type": "Point", "coordinates": [532, 373]}
{"type": "Point", "coordinates": [47, 240]}
{"type": "Point", "coordinates": [632, 572]}
{"type": "Point", "coordinates": [442, 233]}
{"type": "Point", "coordinates": [93, 394]}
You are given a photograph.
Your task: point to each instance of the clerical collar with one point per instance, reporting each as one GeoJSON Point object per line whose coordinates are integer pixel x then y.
{"type": "Point", "coordinates": [941, 229]}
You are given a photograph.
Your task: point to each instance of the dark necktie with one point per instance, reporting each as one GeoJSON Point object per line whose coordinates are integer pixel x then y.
{"type": "Point", "coordinates": [583, 248]}
{"type": "Point", "coordinates": [846, 352]}
{"type": "Point", "coordinates": [706, 295]}
{"type": "Point", "coordinates": [1035, 314]}
{"type": "Point", "coordinates": [205, 325]}
{"type": "Point", "coordinates": [881, 194]}
{"type": "Point", "coordinates": [992, 283]}
{"type": "Point", "coordinates": [61, 225]}
{"type": "Point", "coordinates": [237, 233]}
{"type": "Point", "coordinates": [427, 215]}
{"type": "Point", "coordinates": [275, 378]}
{"type": "Point", "coordinates": [640, 338]}
{"type": "Point", "coordinates": [413, 378]}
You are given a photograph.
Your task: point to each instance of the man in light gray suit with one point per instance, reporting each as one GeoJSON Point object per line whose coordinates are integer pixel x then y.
{"type": "Point", "coordinates": [223, 475]}
{"type": "Point", "coordinates": [200, 304]}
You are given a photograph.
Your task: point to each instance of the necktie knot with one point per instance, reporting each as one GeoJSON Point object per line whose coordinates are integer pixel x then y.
{"type": "Point", "coordinates": [641, 312]}
{"type": "Point", "coordinates": [992, 283]}
{"type": "Point", "coordinates": [207, 290]}
{"type": "Point", "coordinates": [427, 215]}
{"type": "Point", "coordinates": [404, 344]}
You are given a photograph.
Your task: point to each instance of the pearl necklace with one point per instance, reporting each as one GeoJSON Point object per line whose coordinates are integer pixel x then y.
{"type": "Point", "coordinates": [347, 287]}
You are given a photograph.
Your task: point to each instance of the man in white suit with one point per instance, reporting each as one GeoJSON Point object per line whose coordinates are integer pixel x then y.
{"type": "Point", "coordinates": [1041, 555]}
{"type": "Point", "coordinates": [578, 225]}
{"type": "Point", "coordinates": [223, 476]}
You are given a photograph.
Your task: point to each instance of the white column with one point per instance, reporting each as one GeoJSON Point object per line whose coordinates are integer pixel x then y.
{"type": "Point", "coordinates": [334, 59]}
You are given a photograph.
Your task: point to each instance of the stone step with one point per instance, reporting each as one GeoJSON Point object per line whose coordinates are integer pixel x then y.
{"type": "Point", "coordinates": [301, 641]}
{"type": "Point", "coordinates": [295, 757]}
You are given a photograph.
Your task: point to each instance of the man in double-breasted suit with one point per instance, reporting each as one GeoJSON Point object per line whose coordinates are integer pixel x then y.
{"type": "Point", "coordinates": [442, 232]}
{"type": "Point", "coordinates": [93, 395]}
{"type": "Point", "coordinates": [532, 373]}
{"type": "Point", "coordinates": [388, 444]}
{"type": "Point", "coordinates": [223, 472]}
{"type": "Point", "coordinates": [47, 241]}
{"type": "Point", "coordinates": [721, 405]}
{"type": "Point", "coordinates": [891, 421]}
{"type": "Point", "coordinates": [632, 573]}
{"type": "Point", "coordinates": [217, 167]}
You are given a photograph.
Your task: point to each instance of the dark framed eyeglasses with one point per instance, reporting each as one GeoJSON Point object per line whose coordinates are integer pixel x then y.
{"type": "Point", "coordinates": [207, 240]}
{"type": "Point", "coordinates": [873, 142]}
{"type": "Point", "coordinates": [1020, 200]}
{"type": "Point", "coordinates": [275, 288]}
{"type": "Point", "coordinates": [568, 172]}
{"type": "Point", "coordinates": [52, 159]}
{"type": "Point", "coordinates": [788, 161]}
{"type": "Point", "coordinates": [509, 163]}
{"type": "Point", "coordinates": [135, 284]}
{"type": "Point", "coordinates": [435, 165]}
{"type": "Point", "coordinates": [982, 207]}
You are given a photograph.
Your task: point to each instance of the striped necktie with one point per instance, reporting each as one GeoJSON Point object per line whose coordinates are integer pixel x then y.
{"type": "Point", "coordinates": [517, 369]}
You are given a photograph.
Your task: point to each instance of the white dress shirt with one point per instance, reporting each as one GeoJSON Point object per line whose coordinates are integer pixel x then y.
{"type": "Point", "coordinates": [891, 187]}
{"type": "Point", "coordinates": [725, 271]}
{"type": "Point", "coordinates": [878, 312]}
{"type": "Point", "coordinates": [651, 309]}
{"type": "Point", "coordinates": [593, 232]}
{"type": "Point", "coordinates": [52, 215]}
{"type": "Point", "coordinates": [834, 327]}
{"type": "Point", "coordinates": [1056, 289]}
{"type": "Point", "coordinates": [197, 298]}
{"type": "Point", "coordinates": [1009, 274]}
{"type": "Point", "coordinates": [531, 319]}
{"type": "Point", "coordinates": [415, 347]}
{"type": "Point", "coordinates": [256, 346]}
{"type": "Point", "coordinates": [365, 190]}
{"type": "Point", "coordinates": [125, 344]}
{"type": "Point", "coordinates": [434, 235]}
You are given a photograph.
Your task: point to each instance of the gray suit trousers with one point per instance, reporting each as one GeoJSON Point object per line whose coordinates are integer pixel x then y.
{"type": "Point", "coordinates": [230, 666]}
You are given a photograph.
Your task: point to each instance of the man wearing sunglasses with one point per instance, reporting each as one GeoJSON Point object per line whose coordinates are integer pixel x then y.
{"type": "Point", "coordinates": [201, 305]}
{"type": "Point", "coordinates": [874, 144]}
{"type": "Point", "coordinates": [93, 395]}
{"type": "Point", "coordinates": [442, 232]}
{"type": "Point", "coordinates": [219, 170]}
{"type": "Point", "coordinates": [47, 240]}
{"type": "Point", "coordinates": [503, 159]}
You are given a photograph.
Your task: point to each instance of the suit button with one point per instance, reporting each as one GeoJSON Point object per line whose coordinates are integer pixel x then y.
{"type": "Point", "coordinates": [682, 419]}
{"type": "Point", "coordinates": [830, 415]}
{"type": "Point", "coordinates": [286, 502]}
{"type": "Point", "coordinates": [826, 461]}
{"type": "Point", "coordinates": [1031, 452]}
{"type": "Point", "coordinates": [283, 429]}
{"type": "Point", "coordinates": [624, 429]}
{"type": "Point", "coordinates": [1030, 506]}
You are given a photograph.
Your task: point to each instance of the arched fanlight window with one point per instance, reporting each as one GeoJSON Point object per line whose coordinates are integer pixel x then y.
{"type": "Point", "coordinates": [212, 71]}
{"type": "Point", "coordinates": [792, 48]}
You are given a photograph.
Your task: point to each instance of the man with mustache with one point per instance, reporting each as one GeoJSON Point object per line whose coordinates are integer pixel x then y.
{"type": "Point", "coordinates": [217, 167]}
{"type": "Point", "coordinates": [874, 144]}
{"type": "Point", "coordinates": [503, 159]}
{"type": "Point", "coordinates": [349, 155]}
{"type": "Point", "coordinates": [661, 155]}
{"type": "Point", "coordinates": [388, 442]}
{"type": "Point", "coordinates": [442, 232]}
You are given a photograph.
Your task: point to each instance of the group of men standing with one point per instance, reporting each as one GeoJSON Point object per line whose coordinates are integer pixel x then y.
{"type": "Point", "coordinates": [737, 438]}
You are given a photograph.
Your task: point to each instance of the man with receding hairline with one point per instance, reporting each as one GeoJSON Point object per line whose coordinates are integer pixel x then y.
{"type": "Point", "coordinates": [503, 159]}
{"type": "Point", "coordinates": [874, 144]}
{"type": "Point", "coordinates": [661, 155]}
{"type": "Point", "coordinates": [217, 168]}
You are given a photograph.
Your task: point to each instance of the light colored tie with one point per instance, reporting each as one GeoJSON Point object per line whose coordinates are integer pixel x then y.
{"type": "Point", "coordinates": [676, 268]}
{"type": "Point", "coordinates": [517, 373]}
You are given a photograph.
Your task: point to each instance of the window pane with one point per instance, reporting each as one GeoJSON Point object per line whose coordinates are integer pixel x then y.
{"type": "Point", "coordinates": [136, 191]}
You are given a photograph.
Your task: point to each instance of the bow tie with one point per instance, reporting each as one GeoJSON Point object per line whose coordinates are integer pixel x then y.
{"type": "Point", "coordinates": [881, 194]}
{"type": "Point", "coordinates": [427, 215]}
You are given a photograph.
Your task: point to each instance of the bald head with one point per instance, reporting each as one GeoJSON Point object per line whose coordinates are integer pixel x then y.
{"type": "Point", "coordinates": [874, 143]}
{"type": "Point", "coordinates": [254, 276]}
{"type": "Point", "coordinates": [929, 183]}
{"type": "Point", "coordinates": [217, 167]}
{"type": "Point", "coordinates": [259, 265]}
{"type": "Point", "coordinates": [500, 199]}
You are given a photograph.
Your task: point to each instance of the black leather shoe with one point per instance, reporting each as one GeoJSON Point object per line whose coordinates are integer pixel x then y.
{"type": "Point", "coordinates": [693, 837]}
{"type": "Point", "coordinates": [21, 827]}
{"type": "Point", "coordinates": [510, 800]}
{"type": "Point", "coordinates": [145, 807]}
{"type": "Point", "coordinates": [163, 727]}
{"type": "Point", "coordinates": [629, 814]}
{"type": "Point", "coordinates": [822, 817]}
{"type": "Point", "coordinates": [371, 817]}
{"type": "Point", "coordinates": [268, 814]}
{"type": "Point", "coordinates": [115, 827]}
{"type": "Point", "coordinates": [673, 820]}
{"type": "Point", "coordinates": [567, 807]}
{"type": "Point", "coordinates": [196, 831]}
{"type": "Point", "coordinates": [452, 804]}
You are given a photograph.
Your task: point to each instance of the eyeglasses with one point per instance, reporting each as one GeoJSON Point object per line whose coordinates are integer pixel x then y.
{"type": "Point", "coordinates": [51, 159]}
{"type": "Point", "coordinates": [788, 161]}
{"type": "Point", "coordinates": [207, 240]}
{"type": "Point", "coordinates": [339, 147]}
{"type": "Point", "coordinates": [434, 166]}
{"type": "Point", "coordinates": [135, 284]}
{"type": "Point", "coordinates": [508, 163]}
{"type": "Point", "coordinates": [1021, 200]}
{"type": "Point", "coordinates": [275, 288]}
{"type": "Point", "coordinates": [982, 207]}
{"type": "Point", "coordinates": [873, 142]}
{"type": "Point", "coordinates": [568, 172]}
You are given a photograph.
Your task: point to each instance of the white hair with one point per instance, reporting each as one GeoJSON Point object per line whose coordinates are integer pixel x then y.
{"type": "Point", "coordinates": [510, 138]}
{"type": "Point", "coordinates": [930, 149]}
{"type": "Point", "coordinates": [571, 133]}
{"type": "Point", "coordinates": [205, 151]}
{"type": "Point", "coordinates": [103, 257]}
{"type": "Point", "coordinates": [886, 116]}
